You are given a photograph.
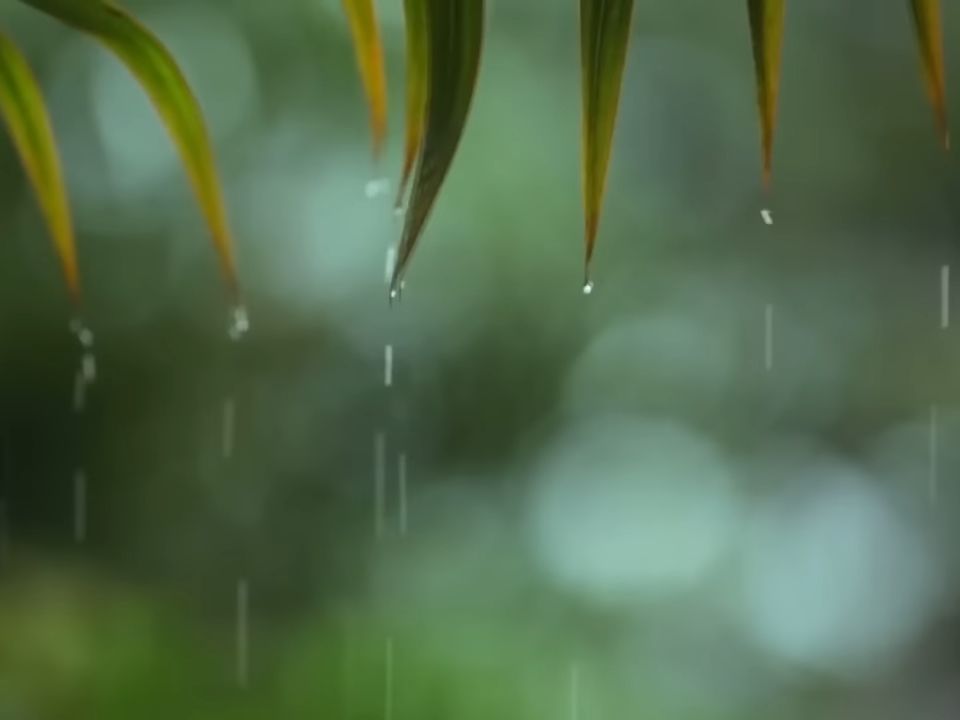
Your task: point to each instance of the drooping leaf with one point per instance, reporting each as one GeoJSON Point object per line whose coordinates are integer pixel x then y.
{"type": "Point", "coordinates": [766, 30]}
{"type": "Point", "coordinates": [926, 16]}
{"type": "Point", "coordinates": [604, 37]}
{"type": "Point", "coordinates": [362, 17]}
{"type": "Point", "coordinates": [23, 110]}
{"type": "Point", "coordinates": [415, 13]}
{"type": "Point", "coordinates": [156, 70]}
{"type": "Point", "coordinates": [454, 42]}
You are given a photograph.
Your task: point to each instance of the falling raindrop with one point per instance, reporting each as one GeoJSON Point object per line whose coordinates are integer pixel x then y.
{"type": "Point", "coordinates": [388, 366]}
{"type": "Point", "coordinates": [239, 323]}
{"type": "Point", "coordinates": [767, 216]}
{"type": "Point", "coordinates": [87, 373]}
{"type": "Point", "coordinates": [83, 333]}
{"type": "Point", "coordinates": [376, 188]}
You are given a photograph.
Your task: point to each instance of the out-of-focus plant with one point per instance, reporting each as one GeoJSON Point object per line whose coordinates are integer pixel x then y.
{"type": "Point", "coordinates": [154, 67]}
{"type": "Point", "coordinates": [443, 46]}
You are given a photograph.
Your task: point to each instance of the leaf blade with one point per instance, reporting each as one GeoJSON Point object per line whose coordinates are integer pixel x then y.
{"type": "Point", "coordinates": [416, 30]}
{"type": "Point", "coordinates": [766, 31]}
{"type": "Point", "coordinates": [929, 29]}
{"type": "Point", "coordinates": [455, 44]}
{"type": "Point", "coordinates": [604, 38]}
{"type": "Point", "coordinates": [368, 47]}
{"type": "Point", "coordinates": [26, 117]}
{"type": "Point", "coordinates": [160, 76]}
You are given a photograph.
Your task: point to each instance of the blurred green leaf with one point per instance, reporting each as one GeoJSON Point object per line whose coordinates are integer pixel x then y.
{"type": "Point", "coordinates": [362, 16]}
{"type": "Point", "coordinates": [455, 43]}
{"type": "Point", "coordinates": [158, 73]}
{"type": "Point", "coordinates": [766, 30]}
{"type": "Point", "coordinates": [22, 107]}
{"type": "Point", "coordinates": [926, 16]}
{"type": "Point", "coordinates": [604, 37]}
{"type": "Point", "coordinates": [415, 14]}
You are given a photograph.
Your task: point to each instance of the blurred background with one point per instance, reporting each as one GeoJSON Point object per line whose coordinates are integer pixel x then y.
{"type": "Point", "coordinates": [724, 485]}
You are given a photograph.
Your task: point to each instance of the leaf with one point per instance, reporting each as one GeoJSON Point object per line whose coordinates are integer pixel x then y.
{"type": "Point", "coordinates": [156, 70]}
{"type": "Point", "coordinates": [766, 30]}
{"type": "Point", "coordinates": [362, 17]}
{"type": "Point", "coordinates": [22, 107]}
{"type": "Point", "coordinates": [415, 13]}
{"type": "Point", "coordinates": [926, 17]}
{"type": "Point", "coordinates": [455, 43]}
{"type": "Point", "coordinates": [604, 37]}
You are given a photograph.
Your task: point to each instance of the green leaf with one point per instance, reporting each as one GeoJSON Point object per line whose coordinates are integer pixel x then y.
{"type": "Point", "coordinates": [604, 37]}
{"type": "Point", "coordinates": [155, 69]}
{"type": "Point", "coordinates": [455, 43]}
{"type": "Point", "coordinates": [926, 17]}
{"type": "Point", "coordinates": [415, 14]}
{"type": "Point", "coordinates": [362, 17]}
{"type": "Point", "coordinates": [22, 108]}
{"type": "Point", "coordinates": [766, 30]}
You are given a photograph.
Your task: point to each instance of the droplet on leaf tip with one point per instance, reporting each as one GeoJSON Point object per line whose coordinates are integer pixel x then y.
{"type": "Point", "coordinates": [588, 287]}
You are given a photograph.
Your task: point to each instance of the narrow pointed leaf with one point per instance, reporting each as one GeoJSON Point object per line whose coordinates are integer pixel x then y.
{"type": "Point", "coordinates": [23, 110]}
{"type": "Point", "coordinates": [415, 12]}
{"type": "Point", "coordinates": [926, 16]}
{"type": "Point", "coordinates": [455, 42]}
{"type": "Point", "coordinates": [362, 17]}
{"type": "Point", "coordinates": [604, 37]}
{"type": "Point", "coordinates": [156, 70]}
{"type": "Point", "coordinates": [766, 30]}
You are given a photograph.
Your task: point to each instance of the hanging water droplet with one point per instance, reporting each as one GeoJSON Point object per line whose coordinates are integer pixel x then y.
{"type": "Point", "coordinates": [396, 291]}
{"type": "Point", "coordinates": [588, 287]}
{"type": "Point", "coordinates": [767, 216]}
{"type": "Point", "coordinates": [400, 210]}
{"type": "Point", "coordinates": [376, 187]}
{"type": "Point", "coordinates": [239, 323]}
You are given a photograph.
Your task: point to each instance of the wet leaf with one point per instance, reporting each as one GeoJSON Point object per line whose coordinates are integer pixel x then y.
{"type": "Point", "coordinates": [415, 13]}
{"type": "Point", "coordinates": [362, 16]}
{"type": "Point", "coordinates": [604, 37]}
{"type": "Point", "coordinates": [454, 42]}
{"type": "Point", "coordinates": [766, 30]}
{"type": "Point", "coordinates": [926, 16]}
{"type": "Point", "coordinates": [155, 69]}
{"type": "Point", "coordinates": [23, 110]}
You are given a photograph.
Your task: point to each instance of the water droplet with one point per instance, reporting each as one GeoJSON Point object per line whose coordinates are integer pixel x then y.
{"type": "Point", "coordinates": [239, 323]}
{"type": "Point", "coordinates": [588, 287]}
{"type": "Point", "coordinates": [83, 333]}
{"type": "Point", "coordinates": [767, 216]}
{"type": "Point", "coordinates": [376, 187]}
{"type": "Point", "coordinates": [400, 210]}
{"type": "Point", "coordinates": [396, 291]}
{"type": "Point", "coordinates": [88, 367]}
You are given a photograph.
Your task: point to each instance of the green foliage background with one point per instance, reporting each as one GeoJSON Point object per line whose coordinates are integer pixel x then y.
{"type": "Point", "coordinates": [499, 361]}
